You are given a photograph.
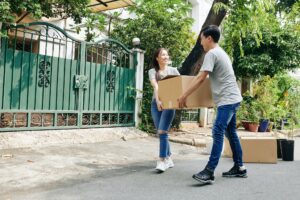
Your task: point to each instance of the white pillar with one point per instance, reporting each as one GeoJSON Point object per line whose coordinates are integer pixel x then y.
{"type": "Point", "coordinates": [200, 10]}
{"type": "Point", "coordinates": [0, 34]}
{"type": "Point", "coordinates": [203, 117]}
{"type": "Point", "coordinates": [139, 80]}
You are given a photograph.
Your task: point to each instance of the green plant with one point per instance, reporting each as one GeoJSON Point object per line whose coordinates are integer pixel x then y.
{"type": "Point", "coordinates": [249, 109]}
{"type": "Point", "coordinates": [76, 9]}
{"type": "Point", "coordinates": [242, 112]}
{"type": "Point", "coordinates": [253, 112]}
{"type": "Point", "coordinates": [261, 40]}
{"type": "Point", "coordinates": [289, 98]}
{"type": "Point", "coordinates": [158, 23]}
{"type": "Point", "coordinates": [266, 92]}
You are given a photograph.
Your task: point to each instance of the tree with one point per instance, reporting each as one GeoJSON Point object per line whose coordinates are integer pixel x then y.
{"type": "Point", "coordinates": [285, 5]}
{"type": "Point", "coordinates": [271, 49]}
{"type": "Point", "coordinates": [243, 18]}
{"type": "Point", "coordinates": [158, 23]}
{"type": "Point", "coordinates": [193, 61]}
{"type": "Point", "coordinates": [75, 9]}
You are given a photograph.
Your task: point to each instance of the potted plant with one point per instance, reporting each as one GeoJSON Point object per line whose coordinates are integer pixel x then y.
{"type": "Point", "coordinates": [253, 117]}
{"type": "Point", "coordinates": [266, 93]}
{"type": "Point", "coordinates": [265, 117]}
{"type": "Point", "coordinates": [292, 99]}
{"type": "Point", "coordinates": [247, 113]}
{"type": "Point", "coordinates": [278, 113]}
{"type": "Point", "coordinates": [287, 146]}
{"type": "Point", "coordinates": [241, 115]}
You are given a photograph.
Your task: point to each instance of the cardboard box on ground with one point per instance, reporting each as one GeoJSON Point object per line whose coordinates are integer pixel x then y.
{"type": "Point", "coordinates": [255, 149]}
{"type": "Point", "coordinates": [172, 87]}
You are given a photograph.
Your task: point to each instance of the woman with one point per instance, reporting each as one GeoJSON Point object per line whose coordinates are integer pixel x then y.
{"type": "Point", "coordinates": [162, 118]}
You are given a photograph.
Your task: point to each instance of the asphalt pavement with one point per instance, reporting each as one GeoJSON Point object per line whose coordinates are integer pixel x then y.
{"type": "Point", "coordinates": [125, 170]}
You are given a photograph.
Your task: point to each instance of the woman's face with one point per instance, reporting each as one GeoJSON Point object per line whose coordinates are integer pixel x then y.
{"type": "Point", "coordinates": [163, 58]}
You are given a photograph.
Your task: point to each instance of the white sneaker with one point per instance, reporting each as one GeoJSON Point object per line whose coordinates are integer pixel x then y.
{"type": "Point", "coordinates": [161, 166]}
{"type": "Point", "coordinates": [169, 162]}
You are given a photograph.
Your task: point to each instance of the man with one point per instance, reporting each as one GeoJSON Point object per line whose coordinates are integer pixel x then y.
{"type": "Point", "coordinates": [227, 98]}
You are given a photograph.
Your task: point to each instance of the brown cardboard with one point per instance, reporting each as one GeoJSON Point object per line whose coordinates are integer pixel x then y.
{"type": "Point", "coordinates": [227, 149]}
{"type": "Point", "coordinates": [256, 149]}
{"type": "Point", "coordinates": [171, 88]}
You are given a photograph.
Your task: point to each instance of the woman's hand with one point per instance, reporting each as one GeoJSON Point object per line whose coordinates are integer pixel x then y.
{"type": "Point", "coordinates": [159, 105]}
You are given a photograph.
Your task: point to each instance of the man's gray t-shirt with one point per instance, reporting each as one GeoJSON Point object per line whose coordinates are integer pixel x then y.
{"type": "Point", "coordinates": [223, 81]}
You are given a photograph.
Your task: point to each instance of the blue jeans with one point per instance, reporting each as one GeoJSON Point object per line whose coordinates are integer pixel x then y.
{"type": "Point", "coordinates": [162, 121]}
{"type": "Point", "coordinates": [225, 123]}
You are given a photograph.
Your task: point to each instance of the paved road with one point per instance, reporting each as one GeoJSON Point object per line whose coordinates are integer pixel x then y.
{"type": "Point", "coordinates": [137, 180]}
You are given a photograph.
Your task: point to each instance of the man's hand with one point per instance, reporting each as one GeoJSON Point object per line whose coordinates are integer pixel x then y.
{"type": "Point", "coordinates": [182, 101]}
{"type": "Point", "coordinates": [197, 81]}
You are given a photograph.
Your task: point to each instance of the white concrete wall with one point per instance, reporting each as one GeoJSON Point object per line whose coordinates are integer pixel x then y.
{"type": "Point", "coordinates": [200, 11]}
{"type": "Point", "coordinates": [295, 74]}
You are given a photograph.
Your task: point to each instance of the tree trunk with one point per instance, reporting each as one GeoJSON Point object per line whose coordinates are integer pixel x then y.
{"type": "Point", "coordinates": [194, 60]}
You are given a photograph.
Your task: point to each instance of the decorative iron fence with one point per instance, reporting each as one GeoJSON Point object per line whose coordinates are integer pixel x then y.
{"type": "Point", "coordinates": [190, 115]}
{"type": "Point", "coordinates": [50, 80]}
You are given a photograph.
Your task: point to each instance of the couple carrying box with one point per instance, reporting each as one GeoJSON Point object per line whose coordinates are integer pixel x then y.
{"type": "Point", "coordinates": [227, 98]}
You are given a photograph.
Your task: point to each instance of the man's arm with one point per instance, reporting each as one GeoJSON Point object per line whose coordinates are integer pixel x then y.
{"type": "Point", "coordinates": [197, 81]}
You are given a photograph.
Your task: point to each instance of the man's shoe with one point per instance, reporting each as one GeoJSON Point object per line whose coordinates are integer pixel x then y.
{"type": "Point", "coordinates": [205, 176]}
{"type": "Point", "coordinates": [169, 162]}
{"type": "Point", "coordinates": [161, 166]}
{"type": "Point", "coordinates": [236, 171]}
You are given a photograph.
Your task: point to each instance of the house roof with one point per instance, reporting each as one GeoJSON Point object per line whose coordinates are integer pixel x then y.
{"type": "Point", "coordinates": [95, 6]}
{"type": "Point", "coordinates": [102, 5]}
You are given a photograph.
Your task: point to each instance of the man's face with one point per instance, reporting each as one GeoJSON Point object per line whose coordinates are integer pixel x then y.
{"type": "Point", "coordinates": [205, 41]}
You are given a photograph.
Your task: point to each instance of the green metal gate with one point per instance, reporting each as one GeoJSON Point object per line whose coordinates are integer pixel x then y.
{"type": "Point", "coordinates": [50, 80]}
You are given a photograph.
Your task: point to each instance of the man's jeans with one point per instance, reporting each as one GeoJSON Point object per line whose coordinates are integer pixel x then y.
{"type": "Point", "coordinates": [225, 123]}
{"type": "Point", "coordinates": [162, 121]}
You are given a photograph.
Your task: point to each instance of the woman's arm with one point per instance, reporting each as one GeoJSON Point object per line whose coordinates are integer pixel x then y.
{"type": "Point", "coordinates": [155, 92]}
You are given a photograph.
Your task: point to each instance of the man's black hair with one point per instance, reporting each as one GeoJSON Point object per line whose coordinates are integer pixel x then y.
{"type": "Point", "coordinates": [213, 31]}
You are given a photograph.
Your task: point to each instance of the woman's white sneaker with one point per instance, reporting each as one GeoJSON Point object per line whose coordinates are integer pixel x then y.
{"type": "Point", "coordinates": [169, 162]}
{"type": "Point", "coordinates": [161, 166]}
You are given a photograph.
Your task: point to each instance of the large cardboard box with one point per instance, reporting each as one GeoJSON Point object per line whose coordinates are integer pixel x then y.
{"type": "Point", "coordinates": [172, 87]}
{"type": "Point", "coordinates": [255, 149]}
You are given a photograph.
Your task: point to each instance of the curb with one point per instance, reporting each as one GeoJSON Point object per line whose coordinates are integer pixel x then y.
{"type": "Point", "coordinates": [22, 139]}
{"type": "Point", "coordinates": [192, 142]}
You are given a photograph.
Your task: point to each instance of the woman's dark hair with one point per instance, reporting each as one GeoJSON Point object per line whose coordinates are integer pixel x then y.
{"type": "Point", "coordinates": [155, 64]}
{"type": "Point", "coordinates": [213, 31]}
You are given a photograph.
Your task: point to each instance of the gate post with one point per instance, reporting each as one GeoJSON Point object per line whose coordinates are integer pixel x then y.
{"type": "Point", "coordinates": [138, 61]}
{"type": "Point", "coordinates": [80, 90]}
{"type": "Point", "coordinates": [0, 36]}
